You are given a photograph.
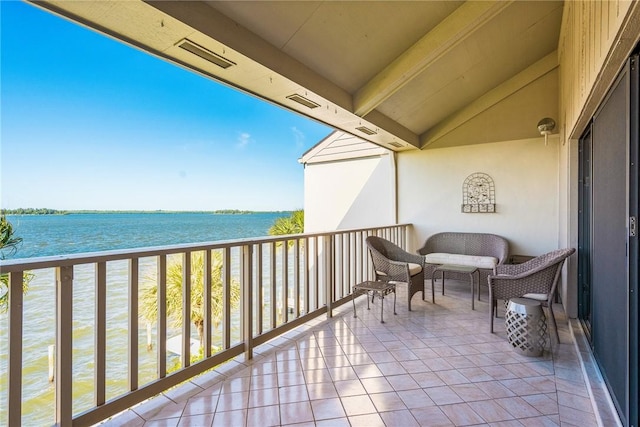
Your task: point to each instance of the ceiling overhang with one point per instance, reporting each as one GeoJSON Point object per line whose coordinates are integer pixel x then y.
{"type": "Point", "coordinates": [452, 64]}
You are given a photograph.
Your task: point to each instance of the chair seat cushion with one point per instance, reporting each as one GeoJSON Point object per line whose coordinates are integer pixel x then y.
{"type": "Point", "coordinates": [413, 270]}
{"type": "Point", "coordinates": [537, 297]}
{"type": "Point", "coordinates": [459, 259]}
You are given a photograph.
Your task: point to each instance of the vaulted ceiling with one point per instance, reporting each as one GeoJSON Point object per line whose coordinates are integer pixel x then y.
{"type": "Point", "coordinates": [404, 75]}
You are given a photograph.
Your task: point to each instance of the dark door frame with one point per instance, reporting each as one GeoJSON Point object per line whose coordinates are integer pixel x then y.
{"type": "Point", "coordinates": [627, 405]}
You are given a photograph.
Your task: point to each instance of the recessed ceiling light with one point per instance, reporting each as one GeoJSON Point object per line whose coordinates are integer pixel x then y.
{"type": "Point", "coordinates": [366, 130]}
{"type": "Point", "coordinates": [205, 54]}
{"type": "Point", "coordinates": [302, 100]}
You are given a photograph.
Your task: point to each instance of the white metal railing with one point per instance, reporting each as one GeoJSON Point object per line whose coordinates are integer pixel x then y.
{"type": "Point", "coordinates": [284, 281]}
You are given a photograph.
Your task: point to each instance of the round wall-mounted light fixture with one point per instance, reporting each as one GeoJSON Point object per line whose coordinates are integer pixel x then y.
{"type": "Point", "coordinates": [545, 126]}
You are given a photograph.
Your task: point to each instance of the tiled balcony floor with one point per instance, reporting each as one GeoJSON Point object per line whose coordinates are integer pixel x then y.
{"type": "Point", "coordinates": [437, 365]}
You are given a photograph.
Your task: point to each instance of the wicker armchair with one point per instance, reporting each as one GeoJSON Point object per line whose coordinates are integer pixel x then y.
{"type": "Point", "coordinates": [535, 279]}
{"type": "Point", "coordinates": [393, 264]}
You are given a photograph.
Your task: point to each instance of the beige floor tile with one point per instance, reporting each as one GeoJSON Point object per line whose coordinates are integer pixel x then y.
{"type": "Point", "coordinates": [443, 395]}
{"type": "Point", "coordinates": [334, 422]}
{"type": "Point", "coordinates": [376, 385]}
{"type": "Point", "coordinates": [298, 412]}
{"type": "Point", "coordinates": [321, 391]}
{"type": "Point", "coordinates": [495, 389]}
{"type": "Point", "coordinates": [160, 407]}
{"type": "Point", "coordinates": [389, 401]}
{"type": "Point", "coordinates": [204, 420]}
{"type": "Point", "coordinates": [200, 405]}
{"type": "Point", "coordinates": [263, 397]}
{"type": "Point", "coordinates": [233, 401]}
{"type": "Point", "coordinates": [413, 399]}
{"type": "Point", "coordinates": [540, 422]}
{"type": "Point", "coordinates": [230, 418]}
{"type": "Point", "coordinates": [428, 379]}
{"type": "Point", "coordinates": [490, 411]}
{"type": "Point", "coordinates": [518, 407]}
{"type": "Point", "coordinates": [403, 382]}
{"type": "Point", "coordinates": [294, 393]}
{"type": "Point", "coordinates": [358, 405]}
{"type": "Point", "coordinates": [402, 418]}
{"type": "Point", "coordinates": [452, 377]}
{"type": "Point", "coordinates": [577, 417]}
{"type": "Point", "coordinates": [168, 422]}
{"type": "Point", "coordinates": [543, 403]}
{"type": "Point", "coordinates": [327, 408]}
{"type": "Point", "coordinates": [469, 392]}
{"type": "Point", "coordinates": [576, 402]}
{"type": "Point", "coordinates": [317, 376]}
{"type": "Point", "coordinates": [263, 381]}
{"type": "Point", "coordinates": [343, 373]}
{"type": "Point", "coordinates": [461, 414]}
{"type": "Point", "coordinates": [263, 416]}
{"type": "Point", "coordinates": [368, 420]}
{"type": "Point", "coordinates": [431, 417]}
{"type": "Point", "coordinates": [391, 368]}
{"type": "Point", "coordinates": [414, 366]}
{"type": "Point", "coordinates": [349, 388]}
{"type": "Point", "coordinates": [367, 371]}
{"type": "Point", "coordinates": [475, 374]}
{"type": "Point", "coordinates": [520, 387]}
{"type": "Point", "coordinates": [235, 385]}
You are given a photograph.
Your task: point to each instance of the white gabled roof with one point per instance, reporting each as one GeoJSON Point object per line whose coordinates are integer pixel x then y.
{"type": "Point", "coordinates": [341, 146]}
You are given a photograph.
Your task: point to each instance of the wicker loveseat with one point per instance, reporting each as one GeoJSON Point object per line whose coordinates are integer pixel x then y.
{"type": "Point", "coordinates": [480, 249]}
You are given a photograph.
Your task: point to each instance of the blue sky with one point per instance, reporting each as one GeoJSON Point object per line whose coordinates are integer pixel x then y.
{"type": "Point", "coordinates": [90, 123]}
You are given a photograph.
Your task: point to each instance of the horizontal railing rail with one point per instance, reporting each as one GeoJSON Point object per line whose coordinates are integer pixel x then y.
{"type": "Point", "coordinates": [232, 295]}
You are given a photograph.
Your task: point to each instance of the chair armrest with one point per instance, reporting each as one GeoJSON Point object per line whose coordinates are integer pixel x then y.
{"type": "Point", "coordinates": [510, 269]}
{"type": "Point", "coordinates": [404, 256]}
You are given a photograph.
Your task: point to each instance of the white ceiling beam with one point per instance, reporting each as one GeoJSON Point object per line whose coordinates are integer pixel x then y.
{"type": "Point", "coordinates": [210, 22]}
{"type": "Point", "coordinates": [491, 98]}
{"type": "Point", "coordinates": [394, 128]}
{"type": "Point", "coordinates": [462, 23]}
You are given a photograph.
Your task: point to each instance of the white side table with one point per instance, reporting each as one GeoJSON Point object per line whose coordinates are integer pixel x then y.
{"type": "Point", "coordinates": [526, 326]}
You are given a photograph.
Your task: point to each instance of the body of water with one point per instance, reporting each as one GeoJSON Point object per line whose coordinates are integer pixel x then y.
{"type": "Point", "coordinates": [45, 235]}
{"type": "Point", "coordinates": [48, 235]}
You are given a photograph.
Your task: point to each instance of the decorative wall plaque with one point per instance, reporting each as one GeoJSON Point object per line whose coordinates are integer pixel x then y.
{"type": "Point", "coordinates": [478, 194]}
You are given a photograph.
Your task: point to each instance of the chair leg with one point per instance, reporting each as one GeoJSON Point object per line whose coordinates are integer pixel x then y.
{"type": "Point", "coordinates": [491, 316]}
{"type": "Point", "coordinates": [555, 325]}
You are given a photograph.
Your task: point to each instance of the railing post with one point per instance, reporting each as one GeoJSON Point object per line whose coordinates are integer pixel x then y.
{"type": "Point", "coordinates": [100, 337]}
{"type": "Point", "coordinates": [226, 312]}
{"type": "Point", "coordinates": [186, 309]}
{"type": "Point", "coordinates": [247, 299]}
{"type": "Point", "coordinates": [64, 346]}
{"type": "Point", "coordinates": [285, 281]}
{"type": "Point", "coordinates": [259, 272]}
{"type": "Point", "coordinates": [133, 324]}
{"type": "Point", "coordinates": [207, 303]}
{"type": "Point", "coordinates": [162, 316]}
{"type": "Point", "coordinates": [328, 272]}
{"type": "Point", "coordinates": [15, 348]}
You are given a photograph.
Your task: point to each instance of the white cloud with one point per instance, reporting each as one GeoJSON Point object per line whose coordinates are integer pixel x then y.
{"type": "Point", "coordinates": [243, 139]}
{"type": "Point", "coordinates": [299, 137]}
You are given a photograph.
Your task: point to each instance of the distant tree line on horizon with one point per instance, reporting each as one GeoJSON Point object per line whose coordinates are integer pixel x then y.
{"type": "Point", "coordinates": [47, 211]}
{"type": "Point", "coordinates": [32, 211]}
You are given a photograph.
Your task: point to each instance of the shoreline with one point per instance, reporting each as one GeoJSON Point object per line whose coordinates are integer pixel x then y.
{"type": "Point", "coordinates": [160, 211]}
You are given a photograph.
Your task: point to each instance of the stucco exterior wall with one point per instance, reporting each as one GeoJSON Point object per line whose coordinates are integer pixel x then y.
{"type": "Point", "coordinates": [354, 193]}
{"type": "Point", "coordinates": [525, 174]}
